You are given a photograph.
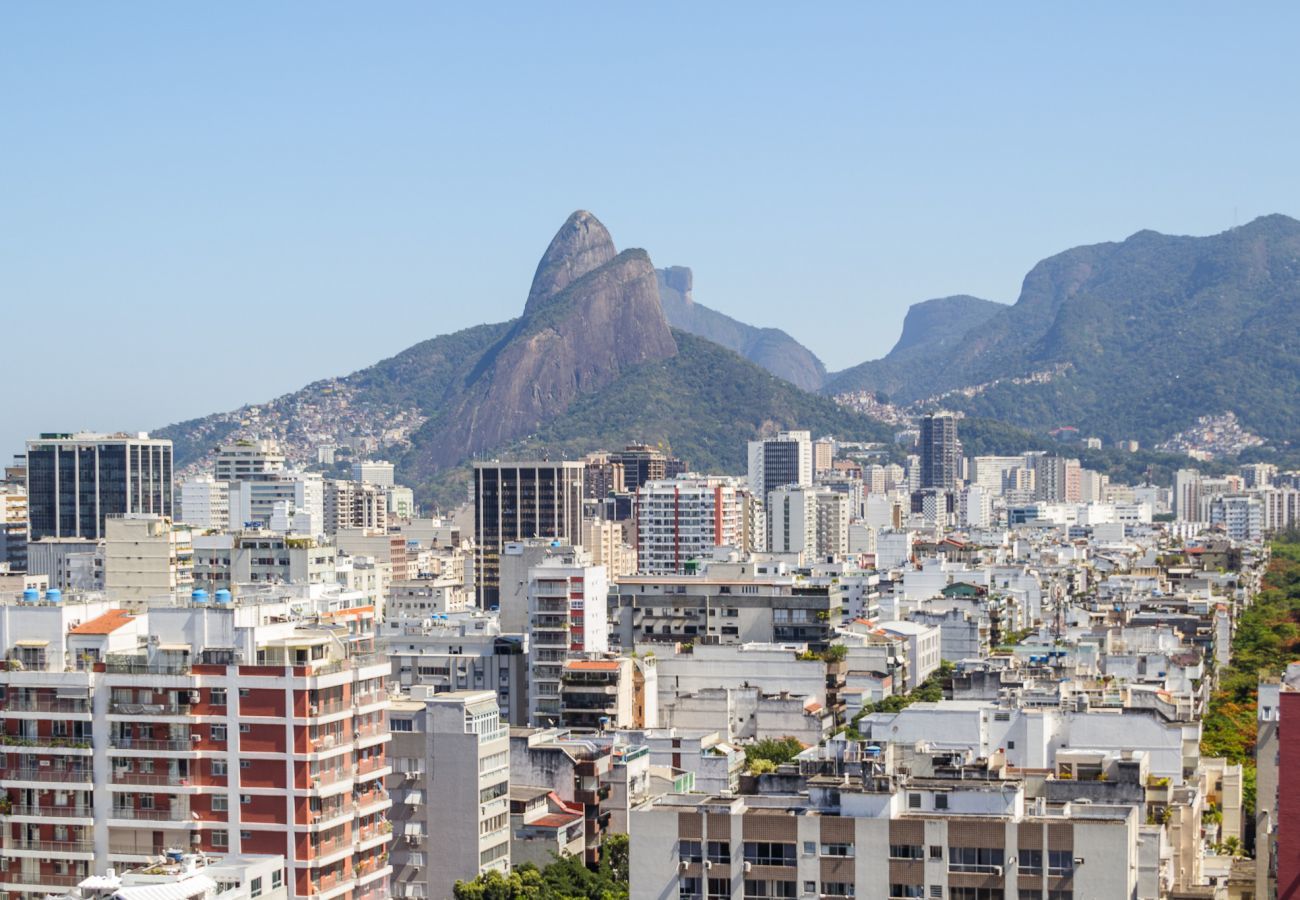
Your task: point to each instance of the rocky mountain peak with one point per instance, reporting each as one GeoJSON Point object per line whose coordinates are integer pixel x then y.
{"type": "Point", "coordinates": [581, 245]}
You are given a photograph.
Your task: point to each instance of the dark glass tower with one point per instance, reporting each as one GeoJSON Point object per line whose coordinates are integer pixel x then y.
{"type": "Point", "coordinates": [940, 452]}
{"type": "Point", "coordinates": [76, 481]}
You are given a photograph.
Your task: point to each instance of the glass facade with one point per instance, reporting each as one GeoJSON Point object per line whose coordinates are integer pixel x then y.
{"type": "Point", "coordinates": [74, 485]}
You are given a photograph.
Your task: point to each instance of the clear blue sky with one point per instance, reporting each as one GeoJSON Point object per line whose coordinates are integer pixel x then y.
{"type": "Point", "coordinates": [203, 205]}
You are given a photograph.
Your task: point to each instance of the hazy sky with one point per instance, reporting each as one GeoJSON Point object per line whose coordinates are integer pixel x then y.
{"type": "Point", "coordinates": [203, 205]}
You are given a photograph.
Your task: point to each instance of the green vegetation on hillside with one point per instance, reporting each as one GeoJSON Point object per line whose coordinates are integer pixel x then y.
{"type": "Point", "coordinates": [928, 691]}
{"type": "Point", "coordinates": [1143, 336]}
{"type": "Point", "coordinates": [564, 879]}
{"type": "Point", "coordinates": [704, 404]}
{"type": "Point", "coordinates": [1267, 638]}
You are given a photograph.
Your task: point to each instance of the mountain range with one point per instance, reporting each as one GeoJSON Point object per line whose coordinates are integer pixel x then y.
{"type": "Point", "coordinates": [592, 362]}
{"type": "Point", "coordinates": [1131, 339]}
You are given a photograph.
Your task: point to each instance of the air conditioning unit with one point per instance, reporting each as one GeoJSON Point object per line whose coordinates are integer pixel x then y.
{"type": "Point", "coordinates": [196, 697]}
{"type": "Point", "coordinates": [196, 738]}
{"type": "Point", "coordinates": [747, 866]}
{"type": "Point", "coordinates": [997, 871]}
{"type": "Point", "coordinates": [683, 865]}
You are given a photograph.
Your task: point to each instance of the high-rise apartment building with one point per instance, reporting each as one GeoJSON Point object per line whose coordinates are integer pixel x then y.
{"type": "Point", "coordinates": [224, 728]}
{"type": "Point", "coordinates": [147, 556]}
{"type": "Point", "coordinates": [519, 501]}
{"type": "Point", "coordinates": [253, 501]}
{"type": "Point", "coordinates": [684, 519]}
{"type": "Point", "coordinates": [940, 452]}
{"type": "Point", "coordinates": [567, 616]}
{"type": "Point", "coordinates": [204, 503]}
{"type": "Point", "coordinates": [13, 526]}
{"type": "Point", "coordinates": [1187, 495]}
{"type": "Point", "coordinates": [248, 461]}
{"type": "Point", "coordinates": [813, 521]}
{"type": "Point", "coordinates": [76, 481]}
{"type": "Point", "coordinates": [451, 791]}
{"type": "Point", "coordinates": [642, 463]}
{"type": "Point", "coordinates": [355, 504]}
{"type": "Point", "coordinates": [373, 471]}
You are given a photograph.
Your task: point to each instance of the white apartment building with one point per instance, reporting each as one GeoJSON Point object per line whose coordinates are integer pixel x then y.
{"type": "Point", "coordinates": [567, 617]}
{"type": "Point", "coordinates": [680, 520]}
{"type": "Point", "coordinates": [204, 503]}
{"type": "Point", "coordinates": [248, 461]}
{"type": "Point", "coordinates": [255, 501]}
{"type": "Point", "coordinates": [451, 791]}
{"type": "Point", "coordinates": [373, 471]}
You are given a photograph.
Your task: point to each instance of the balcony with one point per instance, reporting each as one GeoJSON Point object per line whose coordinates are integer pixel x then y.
{"type": "Point", "coordinates": [123, 708]}
{"type": "Point", "coordinates": [172, 814]}
{"type": "Point", "coordinates": [56, 705]}
{"type": "Point", "coordinates": [46, 774]}
{"type": "Point", "coordinates": [43, 743]}
{"type": "Point", "coordinates": [55, 848]}
{"type": "Point", "coordinates": [151, 778]}
{"type": "Point", "coordinates": [65, 812]}
{"type": "Point", "coordinates": [152, 744]}
{"type": "Point", "coordinates": [19, 877]}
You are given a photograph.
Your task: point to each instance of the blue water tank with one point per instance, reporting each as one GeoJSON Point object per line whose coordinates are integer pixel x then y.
{"type": "Point", "coordinates": [223, 596]}
{"type": "Point", "coordinates": [31, 595]}
{"type": "Point", "coordinates": [199, 596]}
{"type": "Point", "coordinates": [54, 595]}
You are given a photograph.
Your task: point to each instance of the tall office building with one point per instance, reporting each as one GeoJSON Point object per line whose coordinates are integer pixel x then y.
{"type": "Point", "coordinates": [1187, 495]}
{"type": "Point", "coordinates": [776, 462]}
{"type": "Point", "coordinates": [517, 501]}
{"type": "Point", "coordinates": [940, 452]}
{"type": "Point", "coordinates": [642, 463]}
{"type": "Point", "coordinates": [76, 481]}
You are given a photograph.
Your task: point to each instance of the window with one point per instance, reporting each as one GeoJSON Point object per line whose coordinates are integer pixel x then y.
{"type": "Point", "coordinates": [220, 839]}
{"type": "Point", "coordinates": [218, 768]}
{"type": "Point", "coordinates": [913, 801]}
{"type": "Point", "coordinates": [689, 851]}
{"type": "Point", "coordinates": [974, 859]}
{"type": "Point", "coordinates": [1060, 895]}
{"type": "Point", "coordinates": [1031, 862]}
{"type": "Point", "coordinates": [688, 888]}
{"type": "Point", "coordinates": [809, 848]}
{"type": "Point", "coordinates": [1011, 745]}
{"type": "Point", "coordinates": [810, 887]}
{"type": "Point", "coordinates": [906, 891]}
{"type": "Point", "coordinates": [220, 803]}
{"type": "Point", "coordinates": [719, 889]}
{"type": "Point", "coordinates": [936, 851]}
{"type": "Point", "coordinates": [719, 852]}
{"type": "Point", "coordinates": [245, 727]}
{"type": "Point", "coordinates": [217, 733]}
{"type": "Point", "coordinates": [769, 853]}
{"type": "Point", "coordinates": [971, 893]}
{"type": "Point", "coordinates": [754, 888]}
{"type": "Point", "coordinates": [255, 887]}
{"type": "Point", "coordinates": [401, 724]}
{"type": "Point", "coordinates": [936, 890]}
{"type": "Point", "coordinates": [940, 801]}
{"type": "Point", "coordinates": [277, 878]}
{"type": "Point", "coordinates": [245, 798]}
{"type": "Point", "coordinates": [243, 692]}
{"type": "Point", "coordinates": [245, 835]}
{"type": "Point", "coordinates": [1060, 862]}
{"type": "Point", "coordinates": [217, 697]}
{"type": "Point", "coordinates": [245, 764]}
{"type": "Point", "coordinates": [906, 851]}
{"type": "Point", "coordinates": [837, 889]}
{"type": "Point", "coordinates": [837, 850]}
{"type": "Point", "coordinates": [146, 801]}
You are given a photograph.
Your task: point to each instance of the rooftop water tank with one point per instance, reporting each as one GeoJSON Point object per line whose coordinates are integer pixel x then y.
{"type": "Point", "coordinates": [31, 595]}
{"type": "Point", "coordinates": [199, 596]}
{"type": "Point", "coordinates": [54, 595]}
{"type": "Point", "coordinates": [223, 596]}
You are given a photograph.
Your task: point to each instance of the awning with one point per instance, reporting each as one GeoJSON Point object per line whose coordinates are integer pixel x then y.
{"type": "Point", "coordinates": [175, 648]}
{"type": "Point", "coordinates": [31, 643]}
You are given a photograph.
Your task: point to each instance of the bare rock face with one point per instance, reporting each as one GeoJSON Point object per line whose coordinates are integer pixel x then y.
{"type": "Point", "coordinates": [591, 316]}
{"type": "Point", "coordinates": [581, 245]}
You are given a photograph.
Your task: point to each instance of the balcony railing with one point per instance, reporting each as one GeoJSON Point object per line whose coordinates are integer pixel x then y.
{"type": "Point", "coordinates": [55, 847]}
{"type": "Point", "coordinates": [150, 778]}
{"type": "Point", "coordinates": [16, 876]}
{"type": "Point", "coordinates": [44, 773]}
{"type": "Point", "coordinates": [129, 743]}
{"type": "Point", "coordinates": [123, 707]}
{"type": "Point", "coordinates": [25, 704]}
{"type": "Point", "coordinates": [174, 814]}
{"type": "Point", "coordinates": [80, 812]}
{"type": "Point", "coordinates": [46, 742]}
